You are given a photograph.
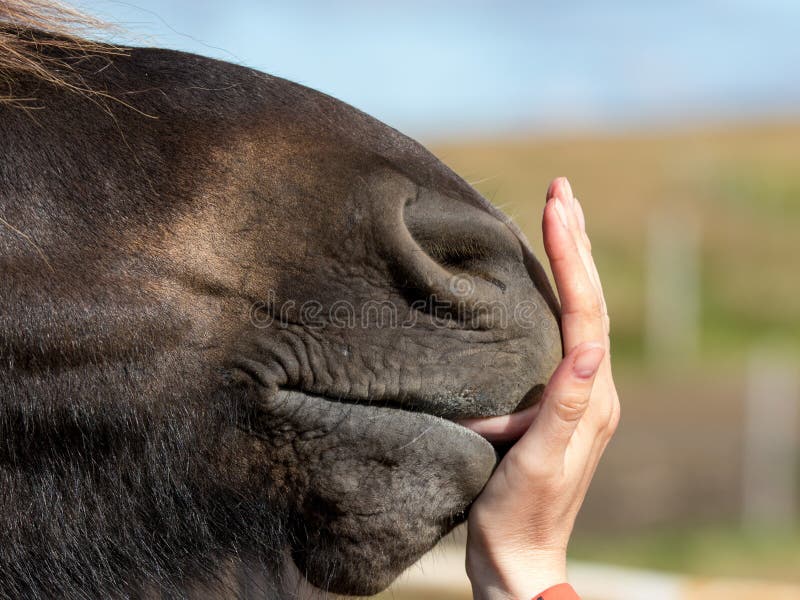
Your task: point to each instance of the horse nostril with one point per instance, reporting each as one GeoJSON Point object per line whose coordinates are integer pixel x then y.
{"type": "Point", "coordinates": [457, 255]}
{"type": "Point", "coordinates": [462, 239]}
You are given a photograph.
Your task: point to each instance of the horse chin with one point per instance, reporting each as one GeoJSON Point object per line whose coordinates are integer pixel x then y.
{"type": "Point", "coordinates": [381, 487]}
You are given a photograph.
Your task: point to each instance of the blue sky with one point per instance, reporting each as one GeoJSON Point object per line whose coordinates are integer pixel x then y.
{"type": "Point", "coordinates": [444, 68]}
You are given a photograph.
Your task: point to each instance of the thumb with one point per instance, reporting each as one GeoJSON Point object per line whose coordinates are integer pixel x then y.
{"type": "Point", "coordinates": [565, 400]}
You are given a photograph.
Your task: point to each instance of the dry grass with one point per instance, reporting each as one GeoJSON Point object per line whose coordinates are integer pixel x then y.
{"type": "Point", "coordinates": [741, 185]}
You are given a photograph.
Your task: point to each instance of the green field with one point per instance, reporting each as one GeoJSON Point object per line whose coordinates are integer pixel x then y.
{"type": "Point", "coordinates": [672, 474]}
{"type": "Point", "coordinates": [716, 551]}
{"type": "Point", "coordinates": [741, 186]}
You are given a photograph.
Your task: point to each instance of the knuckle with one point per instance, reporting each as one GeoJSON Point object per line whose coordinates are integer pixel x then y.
{"type": "Point", "coordinates": [602, 419]}
{"type": "Point", "coordinates": [590, 310]}
{"type": "Point", "coordinates": [571, 406]}
{"type": "Point", "coordinates": [528, 468]}
{"type": "Point", "coordinates": [613, 421]}
{"type": "Point", "coordinates": [590, 307]}
{"type": "Point", "coordinates": [594, 307]}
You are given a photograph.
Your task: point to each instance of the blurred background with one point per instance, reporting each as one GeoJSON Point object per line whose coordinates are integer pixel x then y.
{"type": "Point", "coordinates": [678, 124]}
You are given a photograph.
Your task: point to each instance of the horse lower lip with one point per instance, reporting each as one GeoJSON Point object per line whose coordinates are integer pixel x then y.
{"type": "Point", "coordinates": [500, 430]}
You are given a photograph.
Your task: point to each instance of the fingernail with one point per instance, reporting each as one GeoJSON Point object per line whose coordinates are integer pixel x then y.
{"type": "Point", "coordinates": [568, 190]}
{"type": "Point", "coordinates": [550, 191]}
{"type": "Point", "coordinates": [560, 210]}
{"type": "Point", "coordinates": [581, 217]}
{"type": "Point", "coordinates": [588, 361]}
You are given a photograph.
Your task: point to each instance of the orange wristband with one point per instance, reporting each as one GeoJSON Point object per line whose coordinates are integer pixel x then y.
{"type": "Point", "coordinates": [562, 591]}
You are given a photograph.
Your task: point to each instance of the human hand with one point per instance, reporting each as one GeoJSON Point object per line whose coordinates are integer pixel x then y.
{"type": "Point", "coordinates": [520, 525]}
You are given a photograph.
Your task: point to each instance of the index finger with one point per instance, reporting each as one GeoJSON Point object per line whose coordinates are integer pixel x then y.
{"type": "Point", "coordinates": [581, 306]}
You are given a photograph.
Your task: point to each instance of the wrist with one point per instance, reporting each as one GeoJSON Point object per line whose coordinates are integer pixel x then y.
{"type": "Point", "coordinates": [517, 576]}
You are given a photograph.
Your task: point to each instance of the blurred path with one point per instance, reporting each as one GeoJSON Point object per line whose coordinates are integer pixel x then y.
{"type": "Point", "coordinates": [440, 575]}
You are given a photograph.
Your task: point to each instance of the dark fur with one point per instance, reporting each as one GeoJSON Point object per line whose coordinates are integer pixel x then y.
{"type": "Point", "coordinates": [153, 441]}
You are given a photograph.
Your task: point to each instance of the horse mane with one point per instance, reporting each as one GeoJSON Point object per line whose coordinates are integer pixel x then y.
{"type": "Point", "coordinates": [43, 39]}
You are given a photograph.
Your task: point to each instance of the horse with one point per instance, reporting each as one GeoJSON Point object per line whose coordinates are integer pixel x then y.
{"type": "Point", "coordinates": [240, 322]}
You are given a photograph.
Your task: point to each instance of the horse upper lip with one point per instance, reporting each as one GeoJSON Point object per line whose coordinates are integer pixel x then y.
{"type": "Point", "coordinates": [444, 407]}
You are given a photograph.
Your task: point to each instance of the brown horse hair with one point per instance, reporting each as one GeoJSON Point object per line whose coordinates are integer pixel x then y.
{"type": "Point", "coordinates": [42, 39]}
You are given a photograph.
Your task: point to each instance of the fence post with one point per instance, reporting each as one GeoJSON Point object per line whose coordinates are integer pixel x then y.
{"type": "Point", "coordinates": [771, 464]}
{"type": "Point", "coordinates": [672, 286]}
